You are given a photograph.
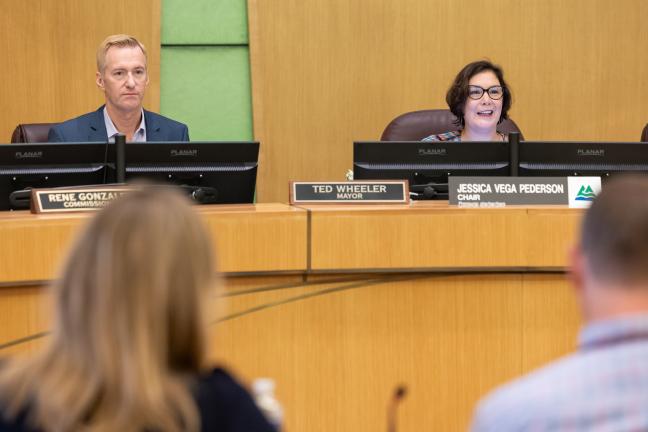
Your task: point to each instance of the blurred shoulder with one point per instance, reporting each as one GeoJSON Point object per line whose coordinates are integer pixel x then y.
{"type": "Point", "coordinates": [538, 398]}
{"type": "Point", "coordinates": [225, 405]}
{"type": "Point", "coordinates": [219, 381]}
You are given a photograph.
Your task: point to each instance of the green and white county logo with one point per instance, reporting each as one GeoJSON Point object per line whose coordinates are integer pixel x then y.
{"type": "Point", "coordinates": [585, 193]}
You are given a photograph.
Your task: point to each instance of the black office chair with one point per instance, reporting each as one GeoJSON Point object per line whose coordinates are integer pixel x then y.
{"type": "Point", "coordinates": [416, 125]}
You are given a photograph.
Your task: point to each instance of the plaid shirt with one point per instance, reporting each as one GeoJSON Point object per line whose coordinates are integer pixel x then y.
{"type": "Point", "coordinates": [602, 387]}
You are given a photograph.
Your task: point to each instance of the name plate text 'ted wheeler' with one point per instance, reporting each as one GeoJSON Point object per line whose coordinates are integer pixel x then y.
{"type": "Point", "coordinates": [384, 191]}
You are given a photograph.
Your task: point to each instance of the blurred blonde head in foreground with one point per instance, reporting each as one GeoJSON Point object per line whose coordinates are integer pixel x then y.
{"type": "Point", "coordinates": [128, 326]}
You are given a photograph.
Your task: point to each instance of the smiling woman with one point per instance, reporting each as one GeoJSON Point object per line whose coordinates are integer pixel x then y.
{"type": "Point", "coordinates": [480, 99]}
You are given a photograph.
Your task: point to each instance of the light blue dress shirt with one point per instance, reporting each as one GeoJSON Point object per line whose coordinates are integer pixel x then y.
{"type": "Point", "coordinates": [138, 136]}
{"type": "Point", "coordinates": [602, 387]}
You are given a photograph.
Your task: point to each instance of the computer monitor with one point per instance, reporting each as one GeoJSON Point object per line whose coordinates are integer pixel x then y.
{"type": "Point", "coordinates": [427, 165]}
{"type": "Point", "coordinates": [570, 158]}
{"type": "Point", "coordinates": [25, 166]}
{"type": "Point", "coordinates": [220, 172]}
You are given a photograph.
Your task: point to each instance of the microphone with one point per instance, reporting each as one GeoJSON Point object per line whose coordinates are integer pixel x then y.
{"type": "Point", "coordinates": [429, 191]}
{"type": "Point", "coordinates": [120, 157]}
{"type": "Point", "coordinates": [199, 194]}
{"type": "Point", "coordinates": [205, 195]}
{"type": "Point", "coordinates": [105, 164]}
{"type": "Point", "coordinates": [514, 153]}
{"type": "Point", "coordinates": [399, 394]}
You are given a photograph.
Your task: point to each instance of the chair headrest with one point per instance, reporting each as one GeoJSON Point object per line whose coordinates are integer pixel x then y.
{"type": "Point", "coordinates": [31, 132]}
{"type": "Point", "coordinates": [416, 125]}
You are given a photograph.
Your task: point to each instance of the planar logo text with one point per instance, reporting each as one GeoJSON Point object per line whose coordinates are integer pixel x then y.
{"type": "Point", "coordinates": [432, 152]}
{"type": "Point", "coordinates": [590, 152]}
{"type": "Point", "coordinates": [29, 155]}
{"type": "Point", "coordinates": [191, 152]}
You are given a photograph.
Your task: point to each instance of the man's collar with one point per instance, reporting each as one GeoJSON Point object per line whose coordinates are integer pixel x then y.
{"type": "Point", "coordinates": [111, 130]}
{"type": "Point", "coordinates": [614, 331]}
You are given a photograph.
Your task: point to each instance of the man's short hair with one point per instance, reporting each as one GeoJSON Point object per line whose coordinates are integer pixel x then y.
{"type": "Point", "coordinates": [120, 41]}
{"type": "Point", "coordinates": [614, 234]}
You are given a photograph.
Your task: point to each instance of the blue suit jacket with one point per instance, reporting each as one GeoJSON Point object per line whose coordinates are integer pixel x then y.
{"type": "Point", "coordinates": [92, 128]}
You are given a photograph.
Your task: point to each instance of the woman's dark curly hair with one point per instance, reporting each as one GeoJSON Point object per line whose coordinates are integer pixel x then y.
{"type": "Point", "coordinates": [458, 91]}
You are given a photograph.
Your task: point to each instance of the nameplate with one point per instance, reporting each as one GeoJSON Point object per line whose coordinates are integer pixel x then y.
{"type": "Point", "coordinates": [382, 191]}
{"type": "Point", "coordinates": [59, 200]}
{"type": "Point", "coordinates": [576, 192]}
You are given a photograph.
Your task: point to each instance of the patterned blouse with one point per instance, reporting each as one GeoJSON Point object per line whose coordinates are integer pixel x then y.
{"type": "Point", "coordinates": [454, 136]}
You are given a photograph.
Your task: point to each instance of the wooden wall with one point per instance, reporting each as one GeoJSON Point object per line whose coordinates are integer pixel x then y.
{"type": "Point", "coordinates": [328, 72]}
{"type": "Point", "coordinates": [48, 55]}
{"type": "Point", "coordinates": [337, 358]}
{"type": "Point", "coordinates": [339, 313]}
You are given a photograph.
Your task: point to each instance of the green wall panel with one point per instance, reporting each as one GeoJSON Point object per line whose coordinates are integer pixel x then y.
{"type": "Point", "coordinates": [204, 22]}
{"type": "Point", "coordinates": [208, 88]}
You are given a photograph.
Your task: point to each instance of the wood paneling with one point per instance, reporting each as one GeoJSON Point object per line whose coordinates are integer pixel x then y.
{"type": "Point", "coordinates": [257, 238]}
{"type": "Point", "coordinates": [48, 49]}
{"type": "Point", "coordinates": [431, 235]}
{"type": "Point", "coordinates": [328, 72]}
{"type": "Point", "coordinates": [338, 344]}
{"type": "Point", "coordinates": [338, 357]}
{"type": "Point", "coordinates": [556, 230]}
{"type": "Point", "coordinates": [24, 311]}
{"type": "Point", "coordinates": [550, 319]}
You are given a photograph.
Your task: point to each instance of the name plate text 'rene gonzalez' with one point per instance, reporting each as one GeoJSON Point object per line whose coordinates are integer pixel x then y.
{"type": "Point", "coordinates": [59, 200]}
{"type": "Point", "coordinates": [383, 191]}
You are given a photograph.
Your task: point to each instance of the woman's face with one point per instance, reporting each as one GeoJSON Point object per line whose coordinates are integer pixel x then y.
{"type": "Point", "coordinates": [484, 112]}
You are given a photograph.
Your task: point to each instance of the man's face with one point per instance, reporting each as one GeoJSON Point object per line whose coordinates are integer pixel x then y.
{"type": "Point", "coordinates": [124, 78]}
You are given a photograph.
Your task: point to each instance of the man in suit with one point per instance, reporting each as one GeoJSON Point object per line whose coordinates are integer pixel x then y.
{"type": "Point", "coordinates": [122, 76]}
{"type": "Point", "coordinates": [603, 386]}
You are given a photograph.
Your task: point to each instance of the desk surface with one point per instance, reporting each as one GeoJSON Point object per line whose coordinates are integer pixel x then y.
{"type": "Point", "coordinates": [248, 238]}
{"type": "Point", "coordinates": [434, 236]}
{"type": "Point", "coordinates": [265, 238]}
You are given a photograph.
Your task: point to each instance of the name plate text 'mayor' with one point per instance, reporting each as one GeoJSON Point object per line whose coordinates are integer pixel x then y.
{"type": "Point", "coordinates": [384, 191]}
